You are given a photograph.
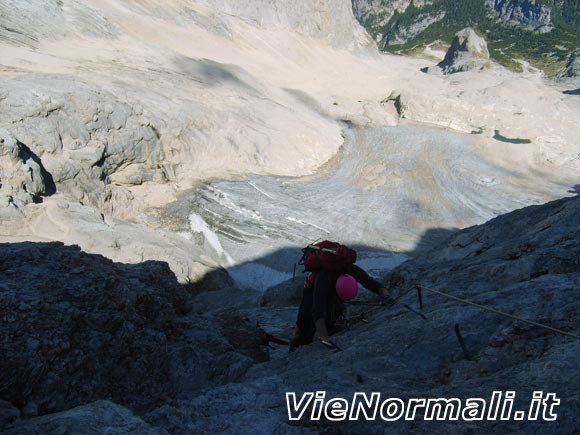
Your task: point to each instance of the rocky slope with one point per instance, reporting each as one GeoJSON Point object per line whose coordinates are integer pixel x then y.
{"type": "Point", "coordinates": [524, 263]}
{"type": "Point", "coordinates": [119, 119]}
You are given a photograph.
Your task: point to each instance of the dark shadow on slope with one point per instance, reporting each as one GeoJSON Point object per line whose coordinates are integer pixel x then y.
{"type": "Point", "coordinates": [307, 100]}
{"type": "Point", "coordinates": [214, 73]}
{"type": "Point", "coordinates": [572, 92]}
{"type": "Point", "coordinates": [575, 189]}
{"type": "Point", "coordinates": [78, 327]}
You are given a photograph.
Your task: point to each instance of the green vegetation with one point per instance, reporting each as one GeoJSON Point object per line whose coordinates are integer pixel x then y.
{"type": "Point", "coordinates": [506, 42]}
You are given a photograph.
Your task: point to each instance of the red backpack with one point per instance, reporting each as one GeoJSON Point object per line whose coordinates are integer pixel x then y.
{"type": "Point", "coordinates": [327, 256]}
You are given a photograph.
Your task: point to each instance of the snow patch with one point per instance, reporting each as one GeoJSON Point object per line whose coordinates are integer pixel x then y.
{"type": "Point", "coordinates": [198, 225]}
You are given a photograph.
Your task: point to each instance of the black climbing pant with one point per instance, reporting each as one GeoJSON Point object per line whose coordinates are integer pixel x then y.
{"type": "Point", "coordinates": [321, 301]}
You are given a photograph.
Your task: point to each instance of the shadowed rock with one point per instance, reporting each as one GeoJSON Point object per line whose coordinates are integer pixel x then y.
{"type": "Point", "coordinates": [77, 327]}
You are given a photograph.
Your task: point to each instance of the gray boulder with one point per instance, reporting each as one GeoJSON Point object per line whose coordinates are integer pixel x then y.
{"type": "Point", "coordinates": [468, 51]}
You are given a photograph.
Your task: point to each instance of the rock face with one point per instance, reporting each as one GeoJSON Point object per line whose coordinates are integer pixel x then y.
{"type": "Point", "coordinates": [23, 179]}
{"type": "Point", "coordinates": [282, 295]}
{"type": "Point", "coordinates": [9, 414]}
{"type": "Point", "coordinates": [135, 101]}
{"type": "Point", "coordinates": [103, 132]}
{"type": "Point", "coordinates": [403, 34]}
{"type": "Point", "coordinates": [332, 21]}
{"type": "Point", "coordinates": [77, 327]}
{"type": "Point", "coordinates": [77, 96]}
{"type": "Point", "coordinates": [503, 253]}
{"type": "Point", "coordinates": [378, 12]}
{"type": "Point", "coordinates": [376, 15]}
{"type": "Point", "coordinates": [28, 23]}
{"type": "Point", "coordinates": [468, 51]}
{"type": "Point", "coordinates": [92, 145]}
{"type": "Point", "coordinates": [527, 13]}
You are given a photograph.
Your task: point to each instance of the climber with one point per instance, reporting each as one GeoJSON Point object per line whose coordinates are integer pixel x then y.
{"type": "Point", "coordinates": [333, 279]}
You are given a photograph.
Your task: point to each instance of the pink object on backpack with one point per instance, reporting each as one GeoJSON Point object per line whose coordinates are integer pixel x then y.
{"type": "Point", "coordinates": [346, 287]}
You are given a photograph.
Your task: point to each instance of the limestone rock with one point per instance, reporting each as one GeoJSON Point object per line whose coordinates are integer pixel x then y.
{"type": "Point", "coordinates": [468, 51]}
{"type": "Point", "coordinates": [400, 102]}
{"type": "Point", "coordinates": [23, 178]}
{"type": "Point", "coordinates": [332, 21]}
{"type": "Point", "coordinates": [376, 14]}
{"type": "Point", "coordinates": [86, 141]}
{"type": "Point", "coordinates": [378, 11]}
{"type": "Point", "coordinates": [29, 23]}
{"type": "Point", "coordinates": [504, 254]}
